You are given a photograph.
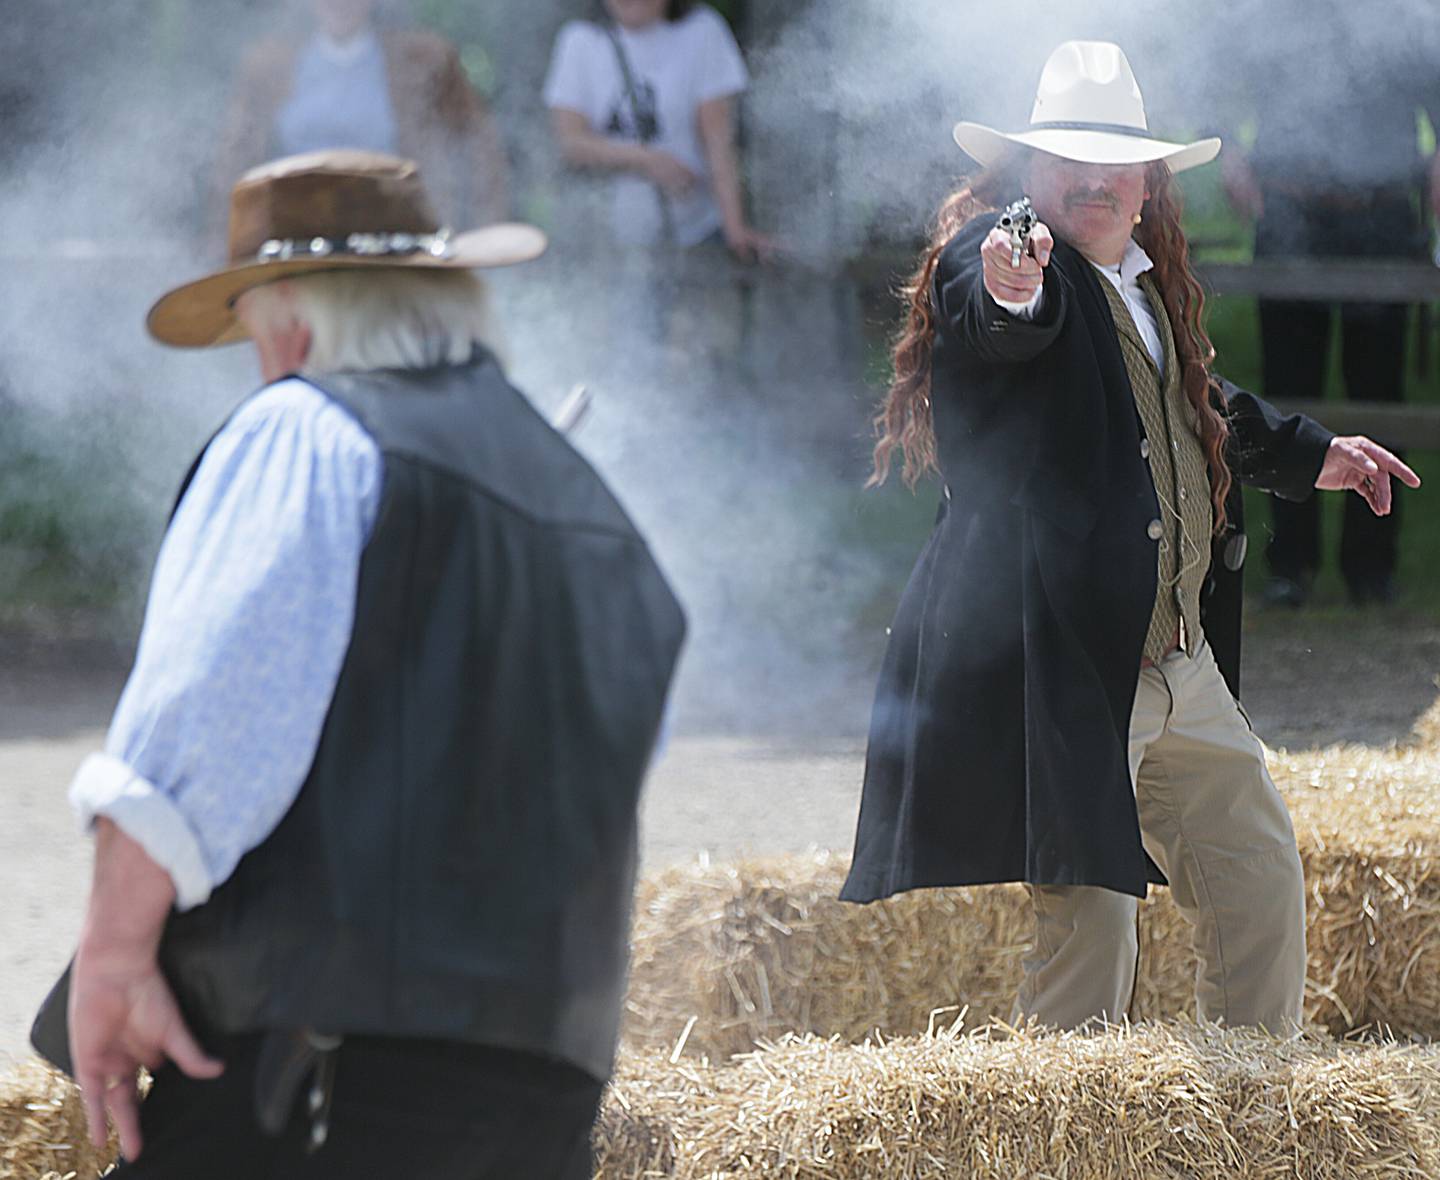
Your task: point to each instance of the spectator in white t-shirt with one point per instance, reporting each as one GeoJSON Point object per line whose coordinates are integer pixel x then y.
{"type": "Point", "coordinates": [668, 134]}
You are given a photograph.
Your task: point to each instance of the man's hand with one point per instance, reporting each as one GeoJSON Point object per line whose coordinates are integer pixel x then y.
{"type": "Point", "coordinates": [122, 1013]}
{"type": "Point", "coordinates": [1356, 463]}
{"type": "Point", "coordinates": [123, 1016]}
{"type": "Point", "coordinates": [669, 173]}
{"type": "Point", "coordinates": [749, 245]}
{"type": "Point", "coordinates": [1016, 284]}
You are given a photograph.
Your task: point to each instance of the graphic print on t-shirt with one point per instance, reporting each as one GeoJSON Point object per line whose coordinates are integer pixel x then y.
{"type": "Point", "coordinates": [637, 119]}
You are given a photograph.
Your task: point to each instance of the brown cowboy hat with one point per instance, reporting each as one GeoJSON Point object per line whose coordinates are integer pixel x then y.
{"type": "Point", "coordinates": [331, 210]}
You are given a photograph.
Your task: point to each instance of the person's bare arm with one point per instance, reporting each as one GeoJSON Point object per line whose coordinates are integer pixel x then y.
{"type": "Point", "coordinates": [122, 1012]}
{"type": "Point", "coordinates": [717, 136]}
{"type": "Point", "coordinates": [583, 147]}
{"type": "Point", "coordinates": [478, 138]}
{"type": "Point", "coordinates": [1434, 186]}
{"type": "Point", "coordinates": [1240, 184]}
{"type": "Point", "coordinates": [1430, 105]}
{"type": "Point", "coordinates": [245, 135]}
{"type": "Point", "coordinates": [491, 170]}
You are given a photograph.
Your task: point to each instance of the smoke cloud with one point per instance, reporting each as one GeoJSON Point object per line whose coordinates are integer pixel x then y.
{"type": "Point", "coordinates": [731, 418]}
{"type": "Point", "coordinates": [858, 97]}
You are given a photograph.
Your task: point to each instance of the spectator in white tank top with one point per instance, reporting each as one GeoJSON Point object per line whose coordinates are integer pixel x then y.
{"type": "Point", "coordinates": [331, 77]}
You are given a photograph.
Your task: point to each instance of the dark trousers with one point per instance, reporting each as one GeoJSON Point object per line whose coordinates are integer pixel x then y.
{"type": "Point", "coordinates": [399, 1108]}
{"type": "Point", "coordinates": [1295, 350]}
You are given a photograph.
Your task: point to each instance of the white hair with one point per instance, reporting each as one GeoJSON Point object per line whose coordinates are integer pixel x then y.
{"type": "Point", "coordinates": [383, 319]}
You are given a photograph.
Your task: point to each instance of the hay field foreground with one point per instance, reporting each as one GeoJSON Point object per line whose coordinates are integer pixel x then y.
{"type": "Point", "coordinates": [727, 955]}
{"type": "Point", "coordinates": [1150, 1102]}
{"type": "Point", "coordinates": [1144, 1103]}
{"type": "Point", "coordinates": [42, 1128]}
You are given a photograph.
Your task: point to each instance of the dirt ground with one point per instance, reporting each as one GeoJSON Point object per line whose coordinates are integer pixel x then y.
{"type": "Point", "coordinates": [1309, 680]}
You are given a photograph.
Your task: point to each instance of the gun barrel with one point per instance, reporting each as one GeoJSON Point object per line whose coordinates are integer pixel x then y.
{"type": "Point", "coordinates": [572, 410]}
{"type": "Point", "coordinates": [1018, 220]}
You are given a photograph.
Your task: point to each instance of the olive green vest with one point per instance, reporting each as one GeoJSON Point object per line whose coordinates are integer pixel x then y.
{"type": "Point", "coordinates": [1180, 471]}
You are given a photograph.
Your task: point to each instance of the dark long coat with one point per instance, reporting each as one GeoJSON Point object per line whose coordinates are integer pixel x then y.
{"type": "Point", "coordinates": [998, 742]}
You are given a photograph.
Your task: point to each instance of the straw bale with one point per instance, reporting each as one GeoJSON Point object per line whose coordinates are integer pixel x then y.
{"type": "Point", "coordinates": [1368, 826]}
{"type": "Point", "coordinates": [728, 955]}
{"type": "Point", "coordinates": [1154, 1101]}
{"type": "Point", "coordinates": [43, 1130]}
{"type": "Point", "coordinates": [1426, 731]}
{"type": "Point", "coordinates": [1159, 1101]}
{"type": "Point", "coordinates": [760, 948]}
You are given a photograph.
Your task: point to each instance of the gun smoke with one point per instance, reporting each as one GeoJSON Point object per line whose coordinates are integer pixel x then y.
{"type": "Point", "coordinates": [732, 419]}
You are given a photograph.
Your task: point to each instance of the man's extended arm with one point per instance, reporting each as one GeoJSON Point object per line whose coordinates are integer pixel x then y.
{"type": "Point", "coordinates": [1278, 453]}
{"type": "Point", "coordinates": [969, 310]}
{"type": "Point", "coordinates": [1292, 455]}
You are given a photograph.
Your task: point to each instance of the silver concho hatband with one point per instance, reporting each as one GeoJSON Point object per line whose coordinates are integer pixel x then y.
{"type": "Point", "coordinates": [437, 245]}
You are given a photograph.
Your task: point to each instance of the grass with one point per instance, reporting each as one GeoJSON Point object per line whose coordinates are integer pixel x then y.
{"type": "Point", "coordinates": [53, 553]}
{"type": "Point", "coordinates": [65, 545]}
{"type": "Point", "coordinates": [1234, 330]}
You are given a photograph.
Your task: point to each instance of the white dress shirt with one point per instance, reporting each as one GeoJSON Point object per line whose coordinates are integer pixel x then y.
{"type": "Point", "coordinates": [1125, 278]}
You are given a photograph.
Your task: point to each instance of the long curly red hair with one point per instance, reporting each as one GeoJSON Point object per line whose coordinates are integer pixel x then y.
{"type": "Point", "coordinates": [904, 421]}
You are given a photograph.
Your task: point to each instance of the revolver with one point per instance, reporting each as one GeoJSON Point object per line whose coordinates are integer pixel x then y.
{"type": "Point", "coordinates": [1017, 221]}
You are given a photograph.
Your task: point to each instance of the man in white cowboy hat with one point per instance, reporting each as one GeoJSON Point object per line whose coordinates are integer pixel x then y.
{"type": "Point", "coordinates": [365, 818]}
{"type": "Point", "coordinates": [1057, 701]}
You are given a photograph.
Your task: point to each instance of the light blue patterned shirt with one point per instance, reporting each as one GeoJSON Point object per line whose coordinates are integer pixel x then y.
{"type": "Point", "coordinates": [246, 629]}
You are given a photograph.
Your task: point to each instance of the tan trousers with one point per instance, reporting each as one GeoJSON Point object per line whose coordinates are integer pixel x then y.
{"type": "Point", "coordinates": [1213, 821]}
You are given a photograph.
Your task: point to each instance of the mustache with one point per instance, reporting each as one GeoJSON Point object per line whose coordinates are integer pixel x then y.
{"type": "Point", "coordinates": [1090, 196]}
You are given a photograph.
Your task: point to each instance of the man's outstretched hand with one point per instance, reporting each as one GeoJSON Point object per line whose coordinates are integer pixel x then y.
{"type": "Point", "coordinates": [122, 1013]}
{"type": "Point", "coordinates": [1357, 464]}
{"type": "Point", "coordinates": [1010, 282]}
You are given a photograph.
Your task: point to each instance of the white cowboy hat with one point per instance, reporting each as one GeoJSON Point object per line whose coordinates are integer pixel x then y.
{"type": "Point", "coordinates": [1087, 108]}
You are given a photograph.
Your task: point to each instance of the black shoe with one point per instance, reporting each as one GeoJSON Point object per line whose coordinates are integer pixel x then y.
{"type": "Point", "coordinates": [1374, 590]}
{"type": "Point", "coordinates": [1289, 592]}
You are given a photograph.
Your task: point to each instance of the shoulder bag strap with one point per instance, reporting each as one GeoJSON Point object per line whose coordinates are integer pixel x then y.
{"type": "Point", "coordinates": [646, 128]}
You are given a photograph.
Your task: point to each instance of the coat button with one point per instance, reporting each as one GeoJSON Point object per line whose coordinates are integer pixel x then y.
{"type": "Point", "coordinates": [1144, 448]}
{"type": "Point", "coordinates": [1154, 530]}
{"type": "Point", "coordinates": [1182, 493]}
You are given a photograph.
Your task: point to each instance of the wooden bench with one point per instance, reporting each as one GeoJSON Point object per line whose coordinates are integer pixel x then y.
{"type": "Point", "coordinates": [1337, 280]}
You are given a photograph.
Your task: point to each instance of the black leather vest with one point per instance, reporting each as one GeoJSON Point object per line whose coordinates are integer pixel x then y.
{"type": "Point", "coordinates": [460, 861]}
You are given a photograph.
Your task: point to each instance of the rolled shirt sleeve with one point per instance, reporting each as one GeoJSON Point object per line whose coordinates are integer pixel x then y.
{"type": "Point", "coordinates": [249, 618]}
